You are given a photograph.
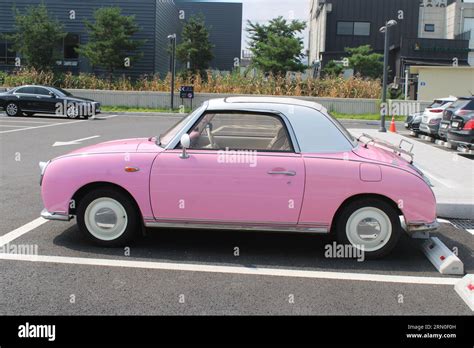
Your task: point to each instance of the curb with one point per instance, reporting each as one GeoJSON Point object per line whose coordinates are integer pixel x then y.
{"type": "Point", "coordinates": [455, 210]}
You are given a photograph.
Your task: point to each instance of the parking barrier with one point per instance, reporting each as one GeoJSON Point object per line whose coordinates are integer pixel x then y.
{"type": "Point", "coordinates": [465, 289]}
{"type": "Point", "coordinates": [444, 260]}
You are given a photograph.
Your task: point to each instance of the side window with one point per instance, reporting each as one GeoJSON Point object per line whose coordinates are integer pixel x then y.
{"type": "Point", "coordinates": [42, 91]}
{"type": "Point", "coordinates": [241, 131]}
{"type": "Point", "coordinates": [26, 90]}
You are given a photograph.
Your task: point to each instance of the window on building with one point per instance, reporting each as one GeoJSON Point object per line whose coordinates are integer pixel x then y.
{"type": "Point", "coordinates": [430, 28]}
{"type": "Point", "coordinates": [71, 42]}
{"type": "Point", "coordinates": [353, 28]}
{"type": "Point", "coordinates": [7, 55]}
{"type": "Point", "coordinates": [345, 28]}
{"type": "Point", "coordinates": [361, 29]}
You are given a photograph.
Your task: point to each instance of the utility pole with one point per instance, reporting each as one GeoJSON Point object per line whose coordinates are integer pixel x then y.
{"type": "Point", "coordinates": [172, 39]}
{"type": "Point", "coordinates": [385, 30]}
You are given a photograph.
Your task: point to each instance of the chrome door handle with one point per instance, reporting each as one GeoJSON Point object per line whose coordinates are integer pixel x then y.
{"type": "Point", "coordinates": [289, 173]}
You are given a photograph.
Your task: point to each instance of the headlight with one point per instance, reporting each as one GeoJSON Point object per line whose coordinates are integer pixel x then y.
{"type": "Point", "coordinates": [43, 166]}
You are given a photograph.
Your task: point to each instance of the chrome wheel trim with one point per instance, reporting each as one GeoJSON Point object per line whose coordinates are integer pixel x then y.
{"type": "Point", "coordinates": [72, 112]}
{"type": "Point", "coordinates": [99, 211]}
{"type": "Point", "coordinates": [369, 227]}
{"type": "Point", "coordinates": [12, 109]}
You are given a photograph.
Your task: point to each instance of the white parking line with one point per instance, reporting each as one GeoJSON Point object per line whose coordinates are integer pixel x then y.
{"type": "Point", "coordinates": [46, 125]}
{"type": "Point", "coordinates": [10, 120]}
{"type": "Point", "coordinates": [276, 272]}
{"type": "Point", "coordinates": [30, 226]}
{"type": "Point", "coordinates": [187, 267]}
{"type": "Point", "coordinates": [471, 232]}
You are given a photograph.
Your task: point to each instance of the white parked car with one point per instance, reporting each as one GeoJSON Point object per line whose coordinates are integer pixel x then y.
{"type": "Point", "coordinates": [433, 114]}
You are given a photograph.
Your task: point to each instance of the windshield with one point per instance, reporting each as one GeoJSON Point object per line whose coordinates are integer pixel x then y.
{"type": "Point", "coordinates": [63, 91]}
{"type": "Point", "coordinates": [460, 103]}
{"type": "Point", "coordinates": [165, 138]}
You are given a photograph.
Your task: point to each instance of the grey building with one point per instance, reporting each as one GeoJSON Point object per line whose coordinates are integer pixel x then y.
{"type": "Point", "coordinates": [224, 19]}
{"type": "Point", "coordinates": [156, 19]}
{"type": "Point", "coordinates": [427, 32]}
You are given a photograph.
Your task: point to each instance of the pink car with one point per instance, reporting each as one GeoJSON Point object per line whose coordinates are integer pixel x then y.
{"type": "Point", "coordinates": [246, 163]}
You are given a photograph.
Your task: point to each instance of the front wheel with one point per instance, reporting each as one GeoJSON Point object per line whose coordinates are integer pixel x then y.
{"type": "Point", "coordinates": [108, 217]}
{"type": "Point", "coordinates": [370, 225]}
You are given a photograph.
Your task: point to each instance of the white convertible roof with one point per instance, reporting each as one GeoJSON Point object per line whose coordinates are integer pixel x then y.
{"type": "Point", "coordinates": [272, 100]}
{"type": "Point", "coordinates": [315, 130]}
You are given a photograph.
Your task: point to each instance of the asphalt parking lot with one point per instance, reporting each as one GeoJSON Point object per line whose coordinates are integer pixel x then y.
{"type": "Point", "coordinates": [174, 272]}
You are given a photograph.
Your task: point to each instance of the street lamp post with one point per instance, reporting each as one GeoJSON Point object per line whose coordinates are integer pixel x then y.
{"type": "Point", "coordinates": [172, 39]}
{"type": "Point", "coordinates": [385, 30]}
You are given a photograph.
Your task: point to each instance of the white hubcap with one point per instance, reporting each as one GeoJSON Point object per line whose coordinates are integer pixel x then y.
{"type": "Point", "coordinates": [106, 219]}
{"type": "Point", "coordinates": [12, 109]}
{"type": "Point", "coordinates": [369, 227]}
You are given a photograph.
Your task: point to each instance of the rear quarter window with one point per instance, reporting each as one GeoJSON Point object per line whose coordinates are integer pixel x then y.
{"type": "Point", "coordinates": [318, 133]}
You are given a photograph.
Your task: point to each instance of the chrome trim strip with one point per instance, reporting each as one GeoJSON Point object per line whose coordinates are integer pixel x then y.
{"type": "Point", "coordinates": [246, 227]}
{"type": "Point", "coordinates": [55, 216]}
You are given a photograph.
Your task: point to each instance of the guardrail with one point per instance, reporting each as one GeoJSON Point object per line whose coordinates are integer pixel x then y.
{"type": "Point", "coordinates": [145, 99]}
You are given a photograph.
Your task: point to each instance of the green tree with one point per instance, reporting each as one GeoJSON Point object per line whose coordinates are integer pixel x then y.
{"type": "Point", "coordinates": [36, 37]}
{"type": "Point", "coordinates": [195, 50]}
{"type": "Point", "coordinates": [275, 46]}
{"type": "Point", "coordinates": [365, 62]}
{"type": "Point", "coordinates": [110, 44]}
{"type": "Point", "coordinates": [332, 69]}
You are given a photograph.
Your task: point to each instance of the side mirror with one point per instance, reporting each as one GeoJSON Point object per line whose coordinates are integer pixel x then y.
{"type": "Point", "coordinates": [52, 95]}
{"type": "Point", "coordinates": [185, 144]}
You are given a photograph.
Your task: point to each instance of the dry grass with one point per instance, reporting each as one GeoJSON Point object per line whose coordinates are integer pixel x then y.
{"type": "Point", "coordinates": [355, 87]}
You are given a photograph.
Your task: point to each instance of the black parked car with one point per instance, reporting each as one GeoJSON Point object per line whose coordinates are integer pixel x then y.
{"type": "Point", "coordinates": [413, 122]}
{"type": "Point", "coordinates": [461, 107]}
{"type": "Point", "coordinates": [461, 131]}
{"type": "Point", "coordinates": [30, 100]}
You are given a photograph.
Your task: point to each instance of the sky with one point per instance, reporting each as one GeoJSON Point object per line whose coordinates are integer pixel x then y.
{"type": "Point", "coordinates": [262, 11]}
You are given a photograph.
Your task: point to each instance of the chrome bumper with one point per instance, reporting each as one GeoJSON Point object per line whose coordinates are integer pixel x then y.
{"type": "Point", "coordinates": [422, 227]}
{"type": "Point", "coordinates": [55, 216]}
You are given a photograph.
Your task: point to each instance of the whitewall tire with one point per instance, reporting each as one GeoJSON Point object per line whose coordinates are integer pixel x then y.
{"type": "Point", "coordinates": [371, 225]}
{"type": "Point", "coordinates": [108, 217]}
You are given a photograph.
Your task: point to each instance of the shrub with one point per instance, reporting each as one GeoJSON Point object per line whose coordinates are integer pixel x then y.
{"type": "Point", "coordinates": [235, 83]}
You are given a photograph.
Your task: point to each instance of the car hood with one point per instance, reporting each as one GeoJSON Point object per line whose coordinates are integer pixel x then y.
{"type": "Point", "coordinates": [115, 146]}
{"type": "Point", "coordinates": [78, 99]}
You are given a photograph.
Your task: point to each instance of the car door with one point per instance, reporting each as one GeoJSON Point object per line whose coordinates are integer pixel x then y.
{"type": "Point", "coordinates": [46, 102]}
{"type": "Point", "coordinates": [26, 98]}
{"type": "Point", "coordinates": [241, 169]}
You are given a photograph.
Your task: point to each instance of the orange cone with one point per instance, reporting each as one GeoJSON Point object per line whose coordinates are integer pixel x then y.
{"type": "Point", "coordinates": [393, 129]}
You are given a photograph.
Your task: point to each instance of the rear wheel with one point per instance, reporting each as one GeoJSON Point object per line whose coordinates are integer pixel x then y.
{"type": "Point", "coordinates": [12, 109]}
{"type": "Point", "coordinates": [108, 217]}
{"type": "Point", "coordinates": [371, 225]}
